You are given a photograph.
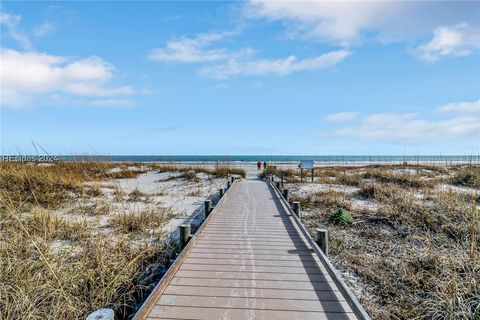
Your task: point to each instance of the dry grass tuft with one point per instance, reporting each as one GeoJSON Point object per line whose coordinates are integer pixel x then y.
{"type": "Point", "coordinates": [401, 179]}
{"type": "Point", "coordinates": [136, 195]}
{"type": "Point", "coordinates": [188, 175]}
{"type": "Point", "coordinates": [217, 172]}
{"type": "Point", "coordinates": [139, 222]}
{"type": "Point", "coordinates": [468, 176]}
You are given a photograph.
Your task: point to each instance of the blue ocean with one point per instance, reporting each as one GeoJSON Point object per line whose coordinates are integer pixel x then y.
{"type": "Point", "coordinates": [277, 158]}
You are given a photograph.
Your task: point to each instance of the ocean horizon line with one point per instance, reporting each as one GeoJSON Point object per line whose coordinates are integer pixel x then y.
{"type": "Point", "coordinates": [245, 158]}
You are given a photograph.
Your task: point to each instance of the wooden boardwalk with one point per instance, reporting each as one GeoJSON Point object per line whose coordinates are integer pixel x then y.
{"type": "Point", "coordinates": [249, 261]}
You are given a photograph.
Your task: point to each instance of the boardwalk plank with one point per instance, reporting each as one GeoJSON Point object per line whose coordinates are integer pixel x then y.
{"type": "Point", "coordinates": [255, 304]}
{"type": "Point", "coordinates": [266, 284]}
{"type": "Point", "coordinates": [254, 275]}
{"type": "Point", "coordinates": [175, 312]}
{"type": "Point", "coordinates": [254, 293]}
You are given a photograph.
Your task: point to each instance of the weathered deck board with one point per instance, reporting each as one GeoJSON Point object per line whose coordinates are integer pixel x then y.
{"type": "Point", "coordinates": [251, 261]}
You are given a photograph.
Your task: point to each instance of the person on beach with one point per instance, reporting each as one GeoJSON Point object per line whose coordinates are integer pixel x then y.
{"type": "Point", "coordinates": [264, 164]}
{"type": "Point", "coordinates": [259, 165]}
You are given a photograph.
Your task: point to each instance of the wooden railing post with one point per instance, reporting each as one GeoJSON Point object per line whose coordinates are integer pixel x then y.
{"type": "Point", "coordinates": [184, 236]}
{"type": "Point", "coordinates": [285, 194]}
{"type": "Point", "coordinates": [208, 207]}
{"type": "Point", "coordinates": [321, 238]}
{"type": "Point", "coordinates": [296, 208]}
{"type": "Point", "coordinates": [221, 191]}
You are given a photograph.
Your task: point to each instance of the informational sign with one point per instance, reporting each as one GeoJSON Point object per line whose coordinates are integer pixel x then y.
{"type": "Point", "coordinates": [306, 164]}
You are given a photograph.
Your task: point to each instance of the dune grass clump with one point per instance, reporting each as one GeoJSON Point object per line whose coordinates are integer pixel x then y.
{"type": "Point", "coordinates": [141, 221]}
{"type": "Point", "coordinates": [188, 175]}
{"type": "Point", "coordinates": [27, 184]}
{"type": "Point", "coordinates": [324, 200]}
{"type": "Point", "coordinates": [136, 195]}
{"type": "Point", "coordinates": [348, 179]}
{"type": "Point", "coordinates": [468, 176]}
{"type": "Point", "coordinates": [24, 185]}
{"type": "Point", "coordinates": [222, 172]}
{"type": "Point", "coordinates": [401, 179]}
{"type": "Point", "coordinates": [218, 171]}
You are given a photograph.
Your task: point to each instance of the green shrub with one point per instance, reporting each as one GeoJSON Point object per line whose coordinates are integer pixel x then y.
{"type": "Point", "coordinates": [341, 217]}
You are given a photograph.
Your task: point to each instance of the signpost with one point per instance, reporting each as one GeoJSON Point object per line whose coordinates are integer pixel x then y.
{"type": "Point", "coordinates": [306, 164]}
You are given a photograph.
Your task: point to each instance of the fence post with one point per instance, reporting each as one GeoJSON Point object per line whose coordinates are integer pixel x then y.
{"type": "Point", "coordinates": [277, 184]}
{"type": "Point", "coordinates": [321, 238]}
{"type": "Point", "coordinates": [208, 207]}
{"type": "Point", "coordinates": [184, 236]}
{"type": "Point", "coordinates": [228, 184]}
{"type": "Point", "coordinates": [296, 208]}
{"type": "Point", "coordinates": [220, 191]}
{"type": "Point", "coordinates": [285, 194]}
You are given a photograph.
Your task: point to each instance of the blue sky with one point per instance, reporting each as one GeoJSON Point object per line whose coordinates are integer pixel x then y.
{"type": "Point", "coordinates": [252, 77]}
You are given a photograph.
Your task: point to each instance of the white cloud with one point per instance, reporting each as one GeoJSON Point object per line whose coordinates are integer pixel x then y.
{"type": "Point", "coordinates": [338, 21]}
{"type": "Point", "coordinates": [457, 41]}
{"type": "Point", "coordinates": [409, 127]}
{"type": "Point", "coordinates": [461, 107]}
{"type": "Point", "coordinates": [350, 22]}
{"type": "Point", "coordinates": [220, 63]}
{"type": "Point", "coordinates": [27, 74]}
{"type": "Point", "coordinates": [278, 67]}
{"type": "Point", "coordinates": [341, 116]}
{"type": "Point", "coordinates": [11, 24]}
{"type": "Point", "coordinates": [193, 50]}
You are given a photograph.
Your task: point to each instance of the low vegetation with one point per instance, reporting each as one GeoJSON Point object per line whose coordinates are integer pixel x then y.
{"type": "Point", "coordinates": [409, 243]}
{"type": "Point", "coordinates": [468, 176]}
{"type": "Point", "coordinates": [218, 171]}
{"type": "Point", "coordinates": [65, 250]}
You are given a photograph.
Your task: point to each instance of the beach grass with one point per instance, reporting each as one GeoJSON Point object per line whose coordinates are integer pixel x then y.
{"type": "Point", "coordinates": [64, 253]}
{"type": "Point", "coordinates": [412, 250]}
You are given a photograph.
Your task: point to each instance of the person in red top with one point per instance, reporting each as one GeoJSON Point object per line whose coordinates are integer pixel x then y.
{"type": "Point", "coordinates": [259, 165]}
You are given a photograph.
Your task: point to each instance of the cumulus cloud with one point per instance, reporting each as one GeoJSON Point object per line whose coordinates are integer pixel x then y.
{"type": "Point", "coordinates": [194, 50]}
{"type": "Point", "coordinates": [457, 41]}
{"type": "Point", "coordinates": [341, 116]}
{"type": "Point", "coordinates": [409, 127]}
{"type": "Point", "coordinates": [279, 67]}
{"type": "Point", "coordinates": [27, 74]}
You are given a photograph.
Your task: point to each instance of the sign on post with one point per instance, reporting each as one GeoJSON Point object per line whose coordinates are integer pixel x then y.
{"type": "Point", "coordinates": [306, 164]}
